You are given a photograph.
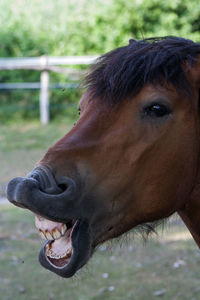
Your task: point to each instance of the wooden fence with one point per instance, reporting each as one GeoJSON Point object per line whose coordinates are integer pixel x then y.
{"type": "Point", "coordinates": [45, 64]}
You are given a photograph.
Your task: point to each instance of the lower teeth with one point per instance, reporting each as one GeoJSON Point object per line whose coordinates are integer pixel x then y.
{"type": "Point", "coordinates": [51, 254]}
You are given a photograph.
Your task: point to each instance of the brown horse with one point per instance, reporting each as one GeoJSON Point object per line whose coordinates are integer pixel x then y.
{"type": "Point", "coordinates": [132, 158]}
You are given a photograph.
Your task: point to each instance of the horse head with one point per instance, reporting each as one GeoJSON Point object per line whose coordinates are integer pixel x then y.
{"type": "Point", "coordinates": [131, 159]}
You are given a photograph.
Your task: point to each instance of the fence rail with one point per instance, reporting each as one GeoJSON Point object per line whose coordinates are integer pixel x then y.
{"type": "Point", "coordinates": [44, 61]}
{"type": "Point", "coordinates": [36, 86]}
{"type": "Point", "coordinates": [45, 64]}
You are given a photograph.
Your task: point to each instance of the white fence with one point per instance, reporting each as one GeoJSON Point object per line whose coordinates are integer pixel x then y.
{"type": "Point", "coordinates": [45, 64]}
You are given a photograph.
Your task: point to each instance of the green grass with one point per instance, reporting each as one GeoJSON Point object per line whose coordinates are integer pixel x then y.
{"type": "Point", "coordinates": [32, 135]}
{"type": "Point", "coordinates": [23, 144]}
{"type": "Point", "coordinates": [128, 270]}
{"type": "Point", "coordinates": [117, 271]}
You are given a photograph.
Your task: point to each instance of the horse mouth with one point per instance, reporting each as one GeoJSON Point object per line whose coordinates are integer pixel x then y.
{"type": "Point", "coordinates": [58, 250]}
{"type": "Point", "coordinates": [67, 246]}
{"type": "Point", "coordinates": [59, 219]}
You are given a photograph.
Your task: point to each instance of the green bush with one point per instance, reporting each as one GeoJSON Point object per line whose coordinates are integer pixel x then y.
{"type": "Point", "coordinates": [74, 27]}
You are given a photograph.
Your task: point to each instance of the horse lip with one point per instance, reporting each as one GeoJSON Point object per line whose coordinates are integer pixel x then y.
{"type": "Point", "coordinates": [26, 192]}
{"type": "Point", "coordinates": [47, 182]}
{"type": "Point", "coordinates": [40, 193]}
{"type": "Point", "coordinates": [81, 245]}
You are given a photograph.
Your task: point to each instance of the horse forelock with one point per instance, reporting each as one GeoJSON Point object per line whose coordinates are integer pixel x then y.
{"type": "Point", "coordinates": [123, 72]}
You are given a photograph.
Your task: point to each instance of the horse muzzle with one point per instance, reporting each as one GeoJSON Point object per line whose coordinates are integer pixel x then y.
{"type": "Point", "coordinates": [58, 201]}
{"type": "Point", "coordinates": [41, 193]}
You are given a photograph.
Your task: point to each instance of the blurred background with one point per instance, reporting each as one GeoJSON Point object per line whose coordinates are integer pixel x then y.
{"type": "Point", "coordinates": [168, 265]}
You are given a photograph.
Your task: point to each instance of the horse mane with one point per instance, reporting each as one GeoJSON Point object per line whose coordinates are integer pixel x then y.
{"type": "Point", "coordinates": [123, 72]}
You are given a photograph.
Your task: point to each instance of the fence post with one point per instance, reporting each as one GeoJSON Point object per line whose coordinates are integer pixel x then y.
{"type": "Point", "coordinates": [44, 93]}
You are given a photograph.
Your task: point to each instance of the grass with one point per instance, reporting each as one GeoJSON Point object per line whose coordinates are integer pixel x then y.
{"type": "Point", "coordinates": [23, 144]}
{"type": "Point", "coordinates": [166, 267]}
{"type": "Point", "coordinates": [31, 136]}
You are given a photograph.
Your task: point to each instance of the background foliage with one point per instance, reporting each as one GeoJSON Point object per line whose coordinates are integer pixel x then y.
{"type": "Point", "coordinates": [79, 27]}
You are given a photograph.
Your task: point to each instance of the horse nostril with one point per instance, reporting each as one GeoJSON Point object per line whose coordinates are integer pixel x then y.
{"type": "Point", "coordinates": [63, 187]}
{"type": "Point", "coordinates": [66, 185]}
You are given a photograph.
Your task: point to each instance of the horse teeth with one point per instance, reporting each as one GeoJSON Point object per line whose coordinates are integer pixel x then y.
{"type": "Point", "coordinates": [63, 228]}
{"type": "Point", "coordinates": [56, 234]}
{"type": "Point", "coordinates": [48, 247]}
{"type": "Point", "coordinates": [69, 251]}
{"type": "Point", "coordinates": [42, 235]}
{"type": "Point", "coordinates": [55, 256]}
{"type": "Point", "coordinates": [48, 235]}
{"type": "Point", "coordinates": [51, 254]}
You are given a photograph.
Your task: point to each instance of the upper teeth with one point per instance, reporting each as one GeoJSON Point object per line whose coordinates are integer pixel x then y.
{"type": "Point", "coordinates": [57, 234]}
{"type": "Point", "coordinates": [63, 229]}
{"type": "Point", "coordinates": [48, 235]}
{"type": "Point", "coordinates": [54, 235]}
{"type": "Point", "coordinates": [48, 229]}
{"type": "Point", "coordinates": [42, 235]}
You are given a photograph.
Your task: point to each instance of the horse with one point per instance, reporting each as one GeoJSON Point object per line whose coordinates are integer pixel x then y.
{"type": "Point", "coordinates": [132, 159]}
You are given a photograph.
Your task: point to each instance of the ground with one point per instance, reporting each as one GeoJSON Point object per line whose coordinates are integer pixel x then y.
{"type": "Point", "coordinates": [165, 267]}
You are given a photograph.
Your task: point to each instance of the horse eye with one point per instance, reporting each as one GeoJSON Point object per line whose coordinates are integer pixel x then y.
{"type": "Point", "coordinates": [156, 110]}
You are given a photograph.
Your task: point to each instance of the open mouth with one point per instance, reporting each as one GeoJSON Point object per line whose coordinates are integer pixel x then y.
{"type": "Point", "coordinates": [59, 251]}
{"type": "Point", "coordinates": [67, 246]}
{"type": "Point", "coordinates": [59, 219]}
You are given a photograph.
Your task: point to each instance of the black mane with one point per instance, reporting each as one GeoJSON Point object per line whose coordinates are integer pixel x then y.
{"type": "Point", "coordinates": [124, 71]}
